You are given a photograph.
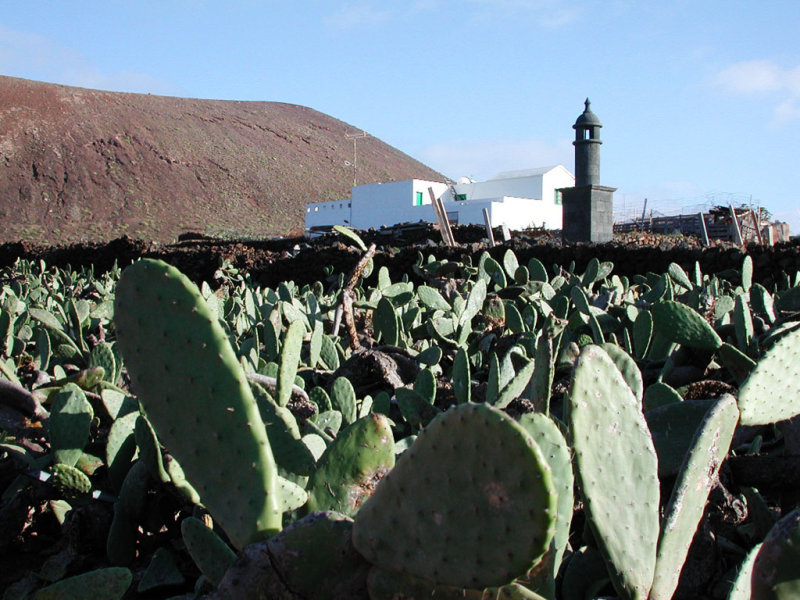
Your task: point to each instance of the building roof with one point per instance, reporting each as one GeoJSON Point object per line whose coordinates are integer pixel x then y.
{"type": "Point", "coordinates": [524, 173]}
{"type": "Point", "coordinates": [587, 118]}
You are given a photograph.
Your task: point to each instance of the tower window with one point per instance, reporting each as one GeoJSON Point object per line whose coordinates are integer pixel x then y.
{"type": "Point", "coordinates": [558, 197]}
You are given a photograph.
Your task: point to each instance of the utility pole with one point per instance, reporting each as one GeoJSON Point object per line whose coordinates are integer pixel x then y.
{"type": "Point", "coordinates": [355, 137]}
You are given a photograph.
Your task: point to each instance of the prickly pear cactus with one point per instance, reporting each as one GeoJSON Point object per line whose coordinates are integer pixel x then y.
{"type": "Point", "coordinates": [775, 573]}
{"type": "Point", "coordinates": [209, 552]}
{"type": "Point", "coordinates": [682, 324]}
{"type": "Point", "coordinates": [70, 481]}
{"type": "Point", "coordinates": [549, 438]}
{"type": "Point", "coordinates": [772, 391]}
{"type": "Point", "coordinates": [457, 514]}
{"type": "Point", "coordinates": [685, 508]}
{"type": "Point", "coordinates": [197, 398]}
{"type": "Point", "coordinates": [110, 583]}
{"type": "Point", "coordinates": [352, 466]}
{"type": "Point", "coordinates": [316, 559]}
{"type": "Point", "coordinates": [70, 423]}
{"type": "Point", "coordinates": [617, 470]}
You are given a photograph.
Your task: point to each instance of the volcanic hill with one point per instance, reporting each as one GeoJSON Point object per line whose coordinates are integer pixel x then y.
{"type": "Point", "coordinates": [86, 165]}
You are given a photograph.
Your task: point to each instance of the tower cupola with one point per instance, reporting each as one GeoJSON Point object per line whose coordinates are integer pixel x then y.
{"type": "Point", "coordinates": [587, 148]}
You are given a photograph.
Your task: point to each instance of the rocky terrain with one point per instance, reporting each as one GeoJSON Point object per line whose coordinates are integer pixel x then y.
{"type": "Point", "coordinates": [79, 165]}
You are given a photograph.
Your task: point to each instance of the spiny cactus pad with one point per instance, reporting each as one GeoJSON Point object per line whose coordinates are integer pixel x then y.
{"type": "Point", "coordinates": [210, 553]}
{"type": "Point", "coordinates": [197, 397]}
{"type": "Point", "coordinates": [352, 465]}
{"type": "Point", "coordinates": [111, 583]}
{"type": "Point", "coordinates": [617, 470]}
{"type": "Point", "coordinates": [550, 440]}
{"type": "Point", "coordinates": [685, 508]}
{"type": "Point", "coordinates": [682, 324]}
{"type": "Point", "coordinates": [772, 391]}
{"type": "Point", "coordinates": [455, 513]}
{"type": "Point", "coordinates": [316, 559]}
{"type": "Point", "coordinates": [70, 423]}
{"type": "Point", "coordinates": [775, 570]}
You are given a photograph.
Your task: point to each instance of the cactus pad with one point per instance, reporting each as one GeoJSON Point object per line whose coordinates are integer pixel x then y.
{"type": "Point", "coordinates": [316, 559]}
{"type": "Point", "coordinates": [197, 397]}
{"type": "Point", "coordinates": [351, 466]}
{"type": "Point", "coordinates": [550, 440]}
{"type": "Point", "coordinates": [110, 583]}
{"type": "Point", "coordinates": [682, 324]}
{"type": "Point", "coordinates": [617, 470]}
{"type": "Point", "coordinates": [70, 423]}
{"type": "Point", "coordinates": [772, 391]}
{"type": "Point", "coordinates": [775, 573]}
{"type": "Point", "coordinates": [685, 508]}
{"type": "Point", "coordinates": [454, 513]}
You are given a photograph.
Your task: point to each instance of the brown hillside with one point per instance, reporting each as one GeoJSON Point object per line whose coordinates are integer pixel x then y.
{"type": "Point", "coordinates": [86, 165]}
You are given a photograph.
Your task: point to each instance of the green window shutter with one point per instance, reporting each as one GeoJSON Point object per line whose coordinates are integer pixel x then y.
{"type": "Point", "coordinates": [418, 199]}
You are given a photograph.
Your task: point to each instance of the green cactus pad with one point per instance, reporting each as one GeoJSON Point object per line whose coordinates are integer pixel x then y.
{"type": "Point", "coordinates": [352, 465]}
{"type": "Point", "coordinates": [642, 333]}
{"type": "Point", "coordinates": [743, 323]}
{"type": "Point", "coordinates": [660, 394]}
{"type": "Point", "coordinates": [697, 476]}
{"type": "Point", "coordinates": [208, 551]}
{"type": "Point", "coordinates": [739, 364]}
{"type": "Point", "coordinates": [391, 585]}
{"type": "Point", "coordinates": [110, 584]}
{"type": "Point", "coordinates": [680, 323]}
{"type": "Point", "coordinates": [628, 367]}
{"type": "Point", "coordinates": [285, 440]}
{"type": "Point", "coordinates": [70, 424]}
{"type": "Point", "coordinates": [121, 542]}
{"type": "Point", "coordinates": [149, 451]}
{"type": "Point", "coordinates": [741, 589]}
{"type": "Point", "coordinates": [453, 512]}
{"type": "Point", "coordinates": [70, 481]}
{"type": "Point", "coordinates": [197, 397]}
{"type": "Point", "coordinates": [550, 440]}
{"type": "Point", "coordinates": [462, 384]}
{"type": "Point", "coordinates": [343, 399]}
{"type": "Point", "coordinates": [775, 570]}
{"type": "Point", "coordinates": [290, 359]}
{"type": "Point", "coordinates": [316, 559]}
{"type": "Point", "coordinates": [679, 276]}
{"type": "Point", "coordinates": [772, 391]}
{"type": "Point", "coordinates": [161, 572]}
{"type": "Point", "coordinates": [617, 470]}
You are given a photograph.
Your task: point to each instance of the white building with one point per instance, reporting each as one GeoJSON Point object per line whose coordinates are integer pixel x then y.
{"type": "Point", "coordinates": [517, 199]}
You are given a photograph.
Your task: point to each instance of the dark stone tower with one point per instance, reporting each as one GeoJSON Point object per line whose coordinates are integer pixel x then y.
{"type": "Point", "coordinates": [587, 148]}
{"type": "Point", "coordinates": [588, 208]}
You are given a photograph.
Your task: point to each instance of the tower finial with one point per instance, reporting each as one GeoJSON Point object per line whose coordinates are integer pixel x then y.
{"type": "Point", "coordinates": [586, 104]}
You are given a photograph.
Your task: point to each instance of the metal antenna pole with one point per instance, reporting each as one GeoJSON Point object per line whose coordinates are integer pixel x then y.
{"type": "Point", "coordinates": [355, 137]}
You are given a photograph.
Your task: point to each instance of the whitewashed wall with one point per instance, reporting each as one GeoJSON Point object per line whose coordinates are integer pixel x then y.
{"type": "Point", "coordinates": [319, 214]}
{"type": "Point", "coordinates": [525, 199]}
{"type": "Point", "coordinates": [387, 204]}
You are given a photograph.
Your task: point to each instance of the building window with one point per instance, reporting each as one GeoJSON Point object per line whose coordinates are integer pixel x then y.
{"type": "Point", "coordinates": [453, 218]}
{"type": "Point", "coordinates": [558, 197]}
{"type": "Point", "coordinates": [418, 199]}
{"type": "Point", "coordinates": [461, 197]}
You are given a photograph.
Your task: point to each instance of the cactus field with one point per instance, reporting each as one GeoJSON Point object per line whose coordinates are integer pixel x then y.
{"type": "Point", "coordinates": [394, 425]}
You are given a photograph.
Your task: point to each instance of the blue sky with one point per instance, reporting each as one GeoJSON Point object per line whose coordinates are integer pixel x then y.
{"type": "Point", "coordinates": [700, 99]}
